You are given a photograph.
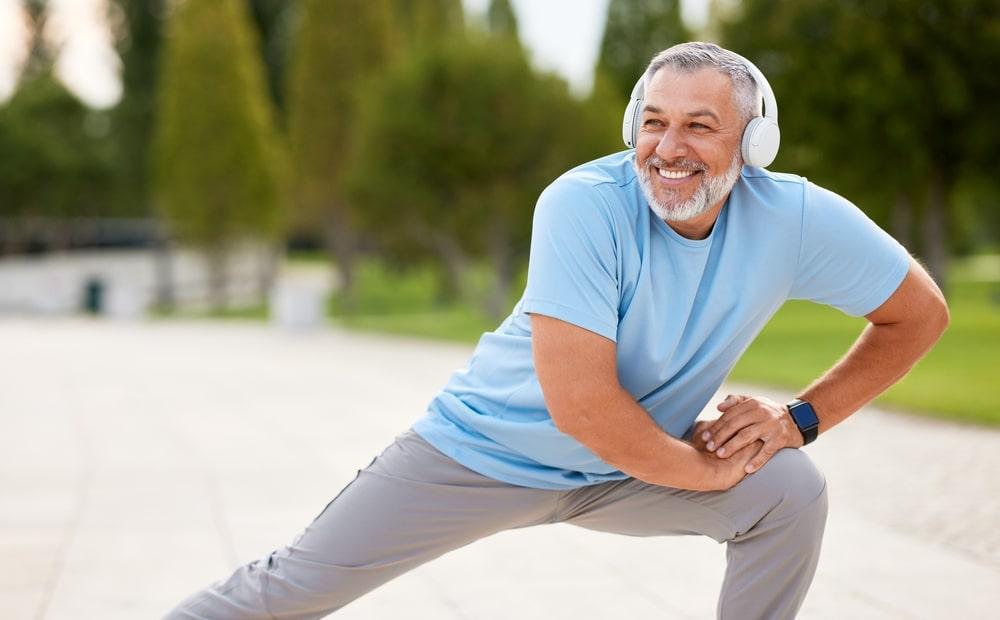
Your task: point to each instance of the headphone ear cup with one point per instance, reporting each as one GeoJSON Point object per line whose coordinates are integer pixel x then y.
{"type": "Point", "coordinates": [761, 139]}
{"type": "Point", "coordinates": [630, 122]}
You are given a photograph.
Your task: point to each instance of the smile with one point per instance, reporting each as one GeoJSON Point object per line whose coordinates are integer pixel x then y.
{"type": "Point", "coordinates": [675, 174]}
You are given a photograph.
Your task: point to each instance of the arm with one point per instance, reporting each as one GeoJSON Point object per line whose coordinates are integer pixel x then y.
{"type": "Point", "coordinates": [577, 372]}
{"type": "Point", "coordinates": [899, 333]}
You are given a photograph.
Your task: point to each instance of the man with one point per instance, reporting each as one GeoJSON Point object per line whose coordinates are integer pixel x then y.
{"type": "Point", "coordinates": [650, 273]}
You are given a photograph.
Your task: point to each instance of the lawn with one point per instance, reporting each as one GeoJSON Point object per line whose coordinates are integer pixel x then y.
{"type": "Point", "coordinates": [802, 340]}
{"type": "Point", "coordinates": [953, 380]}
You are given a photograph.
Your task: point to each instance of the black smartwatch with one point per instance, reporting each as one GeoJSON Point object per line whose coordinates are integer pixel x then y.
{"type": "Point", "coordinates": [805, 418]}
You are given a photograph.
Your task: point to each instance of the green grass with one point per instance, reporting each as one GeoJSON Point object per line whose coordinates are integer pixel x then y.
{"type": "Point", "coordinates": [406, 303]}
{"type": "Point", "coordinates": [953, 381]}
{"type": "Point", "coordinates": [799, 343]}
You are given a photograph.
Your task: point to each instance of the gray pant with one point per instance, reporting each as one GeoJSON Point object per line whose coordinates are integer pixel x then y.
{"type": "Point", "coordinates": [413, 504]}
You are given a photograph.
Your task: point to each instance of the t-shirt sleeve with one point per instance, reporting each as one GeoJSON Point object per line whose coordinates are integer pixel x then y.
{"type": "Point", "coordinates": [573, 265]}
{"type": "Point", "coordinates": [845, 260]}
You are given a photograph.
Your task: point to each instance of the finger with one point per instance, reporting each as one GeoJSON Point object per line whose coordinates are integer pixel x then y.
{"type": "Point", "coordinates": [734, 422]}
{"type": "Point", "coordinates": [696, 430]}
{"type": "Point", "coordinates": [701, 429]}
{"type": "Point", "coordinates": [729, 401]}
{"type": "Point", "coordinates": [739, 405]}
{"type": "Point", "coordinates": [743, 438]}
{"type": "Point", "coordinates": [769, 449]}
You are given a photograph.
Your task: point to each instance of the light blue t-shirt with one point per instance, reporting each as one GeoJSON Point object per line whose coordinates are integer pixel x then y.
{"type": "Point", "coordinates": [680, 311]}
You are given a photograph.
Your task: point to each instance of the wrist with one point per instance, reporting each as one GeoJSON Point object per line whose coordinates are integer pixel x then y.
{"type": "Point", "coordinates": [804, 419]}
{"type": "Point", "coordinates": [716, 473]}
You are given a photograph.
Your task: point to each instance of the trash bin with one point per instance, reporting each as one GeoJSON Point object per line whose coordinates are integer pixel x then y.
{"type": "Point", "coordinates": [94, 292]}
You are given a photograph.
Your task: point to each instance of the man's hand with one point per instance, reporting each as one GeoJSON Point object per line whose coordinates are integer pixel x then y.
{"type": "Point", "coordinates": [696, 437]}
{"type": "Point", "coordinates": [745, 420]}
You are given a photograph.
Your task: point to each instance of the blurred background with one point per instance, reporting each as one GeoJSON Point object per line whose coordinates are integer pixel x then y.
{"type": "Point", "coordinates": [375, 162]}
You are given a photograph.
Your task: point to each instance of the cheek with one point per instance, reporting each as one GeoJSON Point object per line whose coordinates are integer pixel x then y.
{"type": "Point", "coordinates": [643, 150]}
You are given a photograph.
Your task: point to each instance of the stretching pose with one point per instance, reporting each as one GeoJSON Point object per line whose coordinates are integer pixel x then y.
{"type": "Point", "coordinates": [651, 271]}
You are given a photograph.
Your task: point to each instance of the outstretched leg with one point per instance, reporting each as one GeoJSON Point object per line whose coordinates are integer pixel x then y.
{"type": "Point", "coordinates": [411, 505]}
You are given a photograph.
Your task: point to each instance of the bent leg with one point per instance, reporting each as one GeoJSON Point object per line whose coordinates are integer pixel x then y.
{"type": "Point", "coordinates": [411, 505]}
{"type": "Point", "coordinates": [772, 522]}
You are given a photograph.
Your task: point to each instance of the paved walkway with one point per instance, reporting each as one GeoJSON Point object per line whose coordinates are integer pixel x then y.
{"type": "Point", "coordinates": [142, 461]}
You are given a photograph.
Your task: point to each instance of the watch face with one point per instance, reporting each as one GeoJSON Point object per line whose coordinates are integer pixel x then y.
{"type": "Point", "coordinates": [804, 415]}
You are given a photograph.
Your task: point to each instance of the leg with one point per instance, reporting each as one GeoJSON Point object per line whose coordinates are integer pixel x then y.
{"type": "Point", "coordinates": [772, 522]}
{"type": "Point", "coordinates": [411, 505]}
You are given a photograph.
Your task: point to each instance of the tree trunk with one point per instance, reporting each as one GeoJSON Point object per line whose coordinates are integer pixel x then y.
{"type": "Point", "coordinates": [935, 229]}
{"type": "Point", "coordinates": [217, 278]}
{"type": "Point", "coordinates": [497, 305]}
{"type": "Point", "coordinates": [342, 247]}
{"type": "Point", "coordinates": [901, 220]}
{"type": "Point", "coordinates": [164, 296]}
{"type": "Point", "coordinates": [268, 258]}
{"type": "Point", "coordinates": [454, 267]}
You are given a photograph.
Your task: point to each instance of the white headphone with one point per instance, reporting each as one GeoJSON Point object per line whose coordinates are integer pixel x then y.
{"type": "Point", "coordinates": [761, 136]}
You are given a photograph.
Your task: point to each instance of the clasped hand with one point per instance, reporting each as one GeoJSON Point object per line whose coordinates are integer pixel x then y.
{"type": "Point", "coordinates": [744, 421]}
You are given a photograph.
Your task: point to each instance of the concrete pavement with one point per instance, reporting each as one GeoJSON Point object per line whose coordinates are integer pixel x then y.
{"type": "Point", "coordinates": [141, 461]}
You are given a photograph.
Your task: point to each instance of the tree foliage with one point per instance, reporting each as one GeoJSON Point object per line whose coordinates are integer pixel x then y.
{"type": "Point", "coordinates": [219, 163]}
{"type": "Point", "coordinates": [424, 22]}
{"type": "Point", "coordinates": [138, 41]}
{"type": "Point", "coordinates": [501, 19]}
{"type": "Point", "coordinates": [883, 100]}
{"type": "Point", "coordinates": [275, 21]}
{"type": "Point", "coordinates": [340, 45]}
{"type": "Point", "coordinates": [635, 31]}
{"type": "Point", "coordinates": [53, 162]}
{"type": "Point", "coordinates": [454, 145]}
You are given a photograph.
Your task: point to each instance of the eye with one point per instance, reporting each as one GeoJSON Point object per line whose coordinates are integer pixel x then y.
{"type": "Point", "coordinates": [652, 122]}
{"type": "Point", "coordinates": [698, 126]}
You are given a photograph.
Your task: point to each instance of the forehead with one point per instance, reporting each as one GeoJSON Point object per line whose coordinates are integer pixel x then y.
{"type": "Point", "coordinates": [683, 91]}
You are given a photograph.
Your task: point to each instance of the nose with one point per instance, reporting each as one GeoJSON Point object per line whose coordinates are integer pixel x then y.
{"type": "Point", "coordinates": [672, 144]}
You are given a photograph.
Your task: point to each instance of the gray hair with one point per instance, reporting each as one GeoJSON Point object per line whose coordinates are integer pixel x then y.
{"type": "Point", "coordinates": [690, 57]}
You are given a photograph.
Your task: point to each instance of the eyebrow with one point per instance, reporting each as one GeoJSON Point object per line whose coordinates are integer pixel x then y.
{"type": "Point", "coordinates": [702, 112]}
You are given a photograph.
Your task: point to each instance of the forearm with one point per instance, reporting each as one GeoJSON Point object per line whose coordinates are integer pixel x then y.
{"type": "Point", "coordinates": [621, 432]}
{"type": "Point", "coordinates": [882, 355]}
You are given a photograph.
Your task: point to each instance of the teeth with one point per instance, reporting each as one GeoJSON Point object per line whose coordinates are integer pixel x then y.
{"type": "Point", "coordinates": [675, 174]}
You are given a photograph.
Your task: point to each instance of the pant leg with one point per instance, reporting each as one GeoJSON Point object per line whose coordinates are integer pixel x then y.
{"type": "Point", "coordinates": [772, 522]}
{"type": "Point", "coordinates": [411, 505]}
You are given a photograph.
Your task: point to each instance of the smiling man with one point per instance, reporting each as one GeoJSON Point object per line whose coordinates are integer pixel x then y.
{"type": "Point", "coordinates": [650, 273]}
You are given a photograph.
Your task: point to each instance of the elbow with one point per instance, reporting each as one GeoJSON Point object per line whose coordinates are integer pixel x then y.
{"type": "Point", "coordinates": [576, 414]}
{"type": "Point", "coordinates": [569, 417]}
{"type": "Point", "coordinates": [939, 316]}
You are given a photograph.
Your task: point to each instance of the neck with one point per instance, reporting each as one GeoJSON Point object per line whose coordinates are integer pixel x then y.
{"type": "Point", "coordinates": [699, 226]}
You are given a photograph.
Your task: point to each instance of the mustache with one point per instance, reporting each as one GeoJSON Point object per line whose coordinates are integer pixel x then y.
{"type": "Point", "coordinates": [675, 164]}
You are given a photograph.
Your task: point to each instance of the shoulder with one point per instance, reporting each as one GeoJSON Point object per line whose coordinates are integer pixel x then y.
{"type": "Point", "coordinates": [601, 189]}
{"type": "Point", "coordinates": [774, 188]}
{"type": "Point", "coordinates": [790, 189]}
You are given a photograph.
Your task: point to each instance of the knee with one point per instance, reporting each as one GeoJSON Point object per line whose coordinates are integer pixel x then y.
{"type": "Point", "coordinates": [795, 484]}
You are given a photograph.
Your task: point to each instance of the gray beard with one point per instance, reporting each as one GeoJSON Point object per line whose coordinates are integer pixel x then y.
{"type": "Point", "coordinates": [711, 191]}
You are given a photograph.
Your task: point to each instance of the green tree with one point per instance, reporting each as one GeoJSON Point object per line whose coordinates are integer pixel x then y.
{"type": "Point", "coordinates": [882, 100]}
{"type": "Point", "coordinates": [41, 55]}
{"type": "Point", "coordinates": [452, 156]}
{"type": "Point", "coordinates": [341, 43]}
{"type": "Point", "coordinates": [54, 165]}
{"type": "Point", "coordinates": [501, 20]}
{"type": "Point", "coordinates": [275, 21]}
{"type": "Point", "coordinates": [635, 31]}
{"type": "Point", "coordinates": [424, 22]}
{"type": "Point", "coordinates": [219, 163]}
{"type": "Point", "coordinates": [138, 40]}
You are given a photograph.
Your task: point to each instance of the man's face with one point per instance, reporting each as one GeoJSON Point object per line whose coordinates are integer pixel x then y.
{"type": "Point", "coordinates": [688, 147]}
